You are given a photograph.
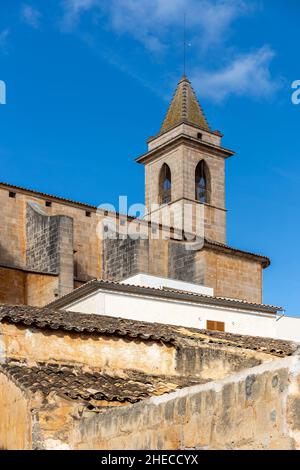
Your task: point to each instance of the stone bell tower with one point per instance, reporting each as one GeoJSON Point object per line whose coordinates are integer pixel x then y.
{"type": "Point", "coordinates": [185, 169]}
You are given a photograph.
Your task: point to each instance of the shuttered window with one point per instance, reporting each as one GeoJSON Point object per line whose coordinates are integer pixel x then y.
{"type": "Point", "coordinates": [215, 325]}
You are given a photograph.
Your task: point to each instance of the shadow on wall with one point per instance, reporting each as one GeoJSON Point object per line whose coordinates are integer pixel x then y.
{"type": "Point", "coordinates": [6, 258]}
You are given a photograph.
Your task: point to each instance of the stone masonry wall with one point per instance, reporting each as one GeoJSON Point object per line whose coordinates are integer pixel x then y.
{"type": "Point", "coordinates": [232, 276]}
{"type": "Point", "coordinates": [182, 263]}
{"type": "Point", "coordinates": [182, 162]}
{"type": "Point", "coordinates": [254, 409]}
{"type": "Point", "coordinates": [15, 422]}
{"type": "Point", "coordinates": [50, 246]}
{"type": "Point", "coordinates": [18, 287]}
{"type": "Point", "coordinates": [87, 246]}
{"type": "Point", "coordinates": [209, 362]}
{"type": "Point", "coordinates": [124, 257]}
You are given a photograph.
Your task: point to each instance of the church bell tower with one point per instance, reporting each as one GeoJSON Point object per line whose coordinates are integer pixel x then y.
{"type": "Point", "coordinates": [185, 169]}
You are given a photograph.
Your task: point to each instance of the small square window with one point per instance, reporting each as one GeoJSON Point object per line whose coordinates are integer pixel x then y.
{"type": "Point", "coordinates": [199, 136]}
{"type": "Point", "coordinates": [88, 213]}
{"type": "Point", "coordinates": [12, 194]}
{"type": "Point", "coordinates": [48, 204]}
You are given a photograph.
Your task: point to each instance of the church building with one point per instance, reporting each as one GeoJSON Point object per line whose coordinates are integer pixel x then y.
{"type": "Point", "coordinates": [49, 246]}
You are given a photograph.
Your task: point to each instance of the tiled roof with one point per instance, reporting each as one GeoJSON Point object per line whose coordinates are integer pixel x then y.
{"type": "Point", "coordinates": [184, 107]}
{"type": "Point", "coordinates": [95, 284]}
{"type": "Point", "coordinates": [103, 325]}
{"type": "Point", "coordinates": [90, 385]}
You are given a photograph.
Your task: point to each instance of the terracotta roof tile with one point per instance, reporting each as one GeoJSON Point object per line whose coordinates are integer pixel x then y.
{"type": "Point", "coordinates": [180, 337]}
{"type": "Point", "coordinates": [90, 385]}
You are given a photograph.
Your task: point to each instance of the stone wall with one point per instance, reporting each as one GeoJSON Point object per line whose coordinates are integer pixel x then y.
{"type": "Point", "coordinates": [87, 256]}
{"type": "Point", "coordinates": [104, 352]}
{"type": "Point", "coordinates": [15, 422]}
{"type": "Point", "coordinates": [232, 276]}
{"type": "Point", "coordinates": [41, 289]}
{"type": "Point", "coordinates": [182, 162]}
{"type": "Point", "coordinates": [18, 287]}
{"type": "Point", "coordinates": [87, 246]}
{"type": "Point", "coordinates": [108, 353]}
{"type": "Point", "coordinates": [49, 246]}
{"type": "Point", "coordinates": [12, 286]}
{"type": "Point", "coordinates": [182, 263]}
{"type": "Point", "coordinates": [124, 257]}
{"type": "Point", "coordinates": [254, 409]}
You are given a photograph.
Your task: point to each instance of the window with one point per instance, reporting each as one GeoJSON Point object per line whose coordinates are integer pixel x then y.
{"type": "Point", "coordinates": [48, 204]}
{"type": "Point", "coordinates": [215, 325]}
{"type": "Point", "coordinates": [202, 183]}
{"type": "Point", "coordinates": [11, 194]}
{"type": "Point", "coordinates": [199, 136]}
{"type": "Point", "coordinates": [88, 214]}
{"type": "Point", "coordinates": [165, 184]}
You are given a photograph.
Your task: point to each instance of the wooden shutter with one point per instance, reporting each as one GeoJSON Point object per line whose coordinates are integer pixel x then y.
{"type": "Point", "coordinates": [215, 325]}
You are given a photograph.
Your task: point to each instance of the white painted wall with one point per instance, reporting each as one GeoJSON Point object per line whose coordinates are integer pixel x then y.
{"type": "Point", "coordinates": [184, 313]}
{"type": "Point", "coordinates": [288, 328]}
{"type": "Point", "coordinates": [146, 280]}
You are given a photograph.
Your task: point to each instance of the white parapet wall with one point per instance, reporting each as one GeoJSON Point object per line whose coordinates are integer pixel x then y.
{"type": "Point", "coordinates": [188, 311]}
{"type": "Point", "coordinates": [189, 314]}
{"type": "Point", "coordinates": [146, 280]}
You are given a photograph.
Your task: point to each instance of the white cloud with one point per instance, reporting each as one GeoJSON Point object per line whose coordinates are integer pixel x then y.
{"type": "Point", "coordinates": [150, 21]}
{"type": "Point", "coordinates": [73, 9]}
{"type": "Point", "coordinates": [30, 16]}
{"type": "Point", "coordinates": [247, 75]}
{"type": "Point", "coordinates": [3, 39]}
{"type": "Point", "coordinates": [158, 26]}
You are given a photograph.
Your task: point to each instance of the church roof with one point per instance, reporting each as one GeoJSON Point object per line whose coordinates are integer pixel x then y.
{"type": "Point", "coordinates": [184, 108]}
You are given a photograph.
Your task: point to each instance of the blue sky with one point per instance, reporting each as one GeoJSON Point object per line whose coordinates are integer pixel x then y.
{"type": "Point", "coordinates": [88, 81]}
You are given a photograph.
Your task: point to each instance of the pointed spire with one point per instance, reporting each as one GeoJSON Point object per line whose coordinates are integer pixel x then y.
{"type": "Point", "coordinates": [184, 108]}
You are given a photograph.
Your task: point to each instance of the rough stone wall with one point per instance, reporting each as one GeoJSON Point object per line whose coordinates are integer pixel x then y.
{"type": "Point", "coordinates": [104, 352]}
{"type": "Point", "coordinates": [41, 289]}
{"type": "Point", "coordinates": [12, 286]}
{"type": "Point", "coordinates": [50, 246]}
{"type": "Point", "coordinates": [232, 276]}
{"type": "Point", "coordinates": [114, 353]}
{"type": "Point", "coordinates": [12, 236]}
{"type": "Point", "coordinates": [182, 263]}
{"type": "Point", "coordinates": [124, 257]}
{"type": "Point", "coordinates": [254, 409]}
{"type": "Point", "coordinates": [87, 246]}
{"type": "Point", "coordinates": [18, 287]}
{"type": "Point", "coordinates": [15, 421]}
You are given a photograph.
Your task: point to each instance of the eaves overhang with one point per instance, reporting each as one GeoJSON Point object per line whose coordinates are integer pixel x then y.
{"type": "Point", "coordinates": [187, 140]}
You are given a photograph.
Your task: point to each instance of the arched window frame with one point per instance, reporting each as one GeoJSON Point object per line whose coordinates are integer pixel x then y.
{"type": "Point", "coordinates": [165, 184]}
{"type": "Point", "coordinates": [202, 183]}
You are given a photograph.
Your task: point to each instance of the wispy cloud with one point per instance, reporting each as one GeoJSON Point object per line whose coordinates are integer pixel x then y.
{"type": "Point", "coordinates": [247, 75]}
{"type": "Point", "coordinates": [150, 21]}
{"type": "Point", "coordinates": [74, 9]}
{"type": "Point", "coordinates": [31, 16]}
{"type": "Point", "coordinates": [158, 26]}
{"type": "Point", "coordinates": [3, 39]}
